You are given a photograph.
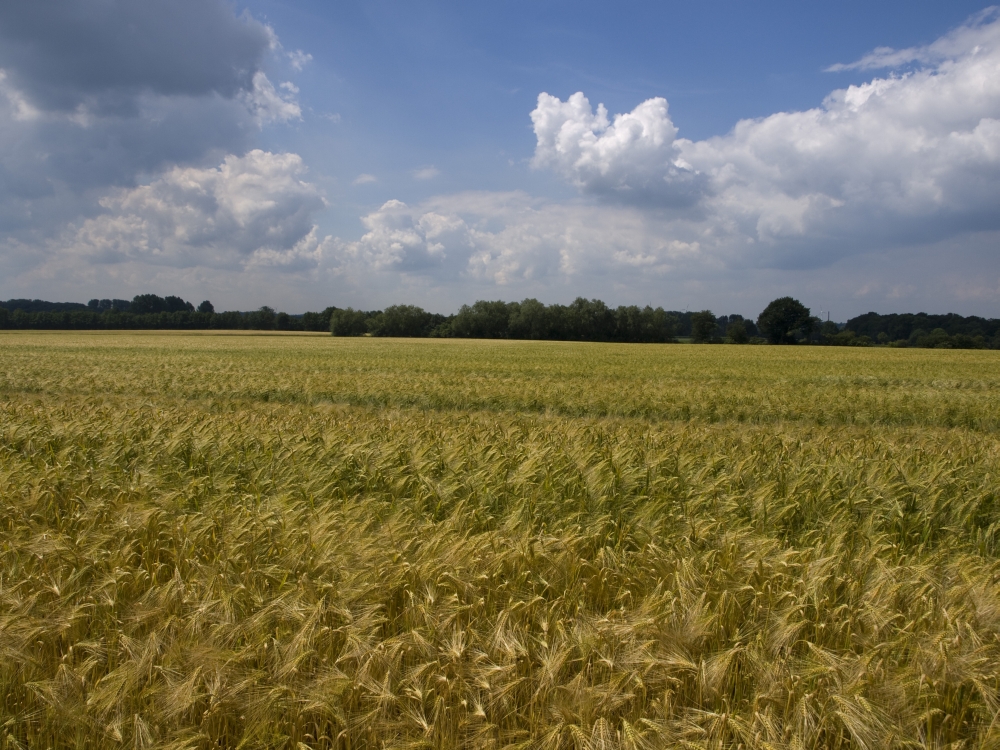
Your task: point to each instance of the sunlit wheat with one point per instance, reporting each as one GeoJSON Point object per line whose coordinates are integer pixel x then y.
{"type": "Point", "coordinates": [309, 543]}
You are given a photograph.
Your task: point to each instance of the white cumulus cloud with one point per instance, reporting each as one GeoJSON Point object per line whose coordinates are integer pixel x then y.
{"type": "Point", "coordinates": [914, 156]}
{"type": "Point", "coordinates": [977, 31]}
{"type": "Point", "coordinates": [402, 239]}
{"type": "Point", "coordinates": [267, 104]}
{"type": "Point", "coordinates": [635, 156]}
{"type": "Point", "coordinates": [886, 192]}
{"type": "Point", "coordinates": [509, 239]}
{"type": "Point", "coordinates": [254, 210]}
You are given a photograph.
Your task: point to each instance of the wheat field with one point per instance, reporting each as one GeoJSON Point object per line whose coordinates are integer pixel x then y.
{"type": "Point", "coordinates": [295, 541]}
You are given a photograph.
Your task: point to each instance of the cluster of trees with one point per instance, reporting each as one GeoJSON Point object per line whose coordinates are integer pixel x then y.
{"type": "Point", "coordinates": [937, 338]}
{"type": "Point", "coordinates": [150, 312]}
{"type": "Point", "coordinates": [786, 320]}
{"type": "Point", "coordinates": [949, 331]}
{"type": "Point", "coordinates": [38, 305]}
{"type": "Point", "coordinates": [582, 320]}
{"type": "Point", "coordinates": [147, 304]}
{"type": "Point", "coordinates": [783, 321]}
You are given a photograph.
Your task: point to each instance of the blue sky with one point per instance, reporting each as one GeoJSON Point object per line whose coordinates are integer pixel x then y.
{"type": "Point", "coordinates": [301, 154]}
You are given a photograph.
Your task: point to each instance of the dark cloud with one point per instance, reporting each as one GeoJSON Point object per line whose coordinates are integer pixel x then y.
{"type": "Point", "coordinates": [53, 169]}
{"type": "Point", "coordinates": [99, 95]}
{"type": "Point", "coordinates": [113, 150]}
{"type": "Point", "coordinates": [102, 54]}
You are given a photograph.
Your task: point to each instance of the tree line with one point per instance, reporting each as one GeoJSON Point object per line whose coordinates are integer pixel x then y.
{"type": "Point", "coordinates": [581, 320]}
{"type": "Point", "coordinates": [151, 312]}
{"type": "Point", "coordinates": [783, 321]}
{"type": "Point", "coordinates": [948, 331]}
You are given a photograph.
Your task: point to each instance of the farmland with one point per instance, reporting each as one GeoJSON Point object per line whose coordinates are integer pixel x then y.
{"type": "Point", "coordinates": [299, 541]}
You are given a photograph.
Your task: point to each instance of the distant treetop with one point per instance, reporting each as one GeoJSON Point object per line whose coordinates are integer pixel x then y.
{"type": "Point", "coordinates": [783, 319]}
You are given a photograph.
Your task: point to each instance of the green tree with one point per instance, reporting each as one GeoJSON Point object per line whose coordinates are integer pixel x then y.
{"type": "Point", "coordinates": [783, 319]}
{"type": "Point", "coordinates": [403, 320]}
{"type": "Point", "coordinates": [531, 319]}
{"type": "Point", "coordinates": [318, 321]}
{"type": "Point", "coordinates": [262, 319]}
{"type": "Point", "coordinates": [176, 304]}
{"type": "Point", "coordinates": [813, 331]}
{"type": "Point", "coordinates": [736, 332]}
{"type": "Point", "coordinates": [144, 304]}
{"type": "Point", "coordinates": [703, 326]}
{"type": "Point", "coordinates": [936, 339]}
{"type": "Point", "coordinates": [827, 330]}
{"type": "Point", "coordinates": [348, 322]}
{"type": "Point", "coordinates": [483, 320]}
{"type": "Point", "coordinates": [206, 307]}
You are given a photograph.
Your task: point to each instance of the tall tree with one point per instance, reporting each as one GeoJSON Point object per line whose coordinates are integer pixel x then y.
{"type": "Point", "coordinates": [736, 332]}
{"type": "Point", "coordinates": [703, 326]}
{"type": "Point", "coordinates": [349, 322]}
{"type": "Point", "coordinates": [783, 318]}
{"type": "Point", "coordinates": [143, 304]}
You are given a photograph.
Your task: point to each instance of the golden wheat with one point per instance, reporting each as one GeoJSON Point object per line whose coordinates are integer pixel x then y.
{"type": "Point", "coordinates": [304, 542]}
